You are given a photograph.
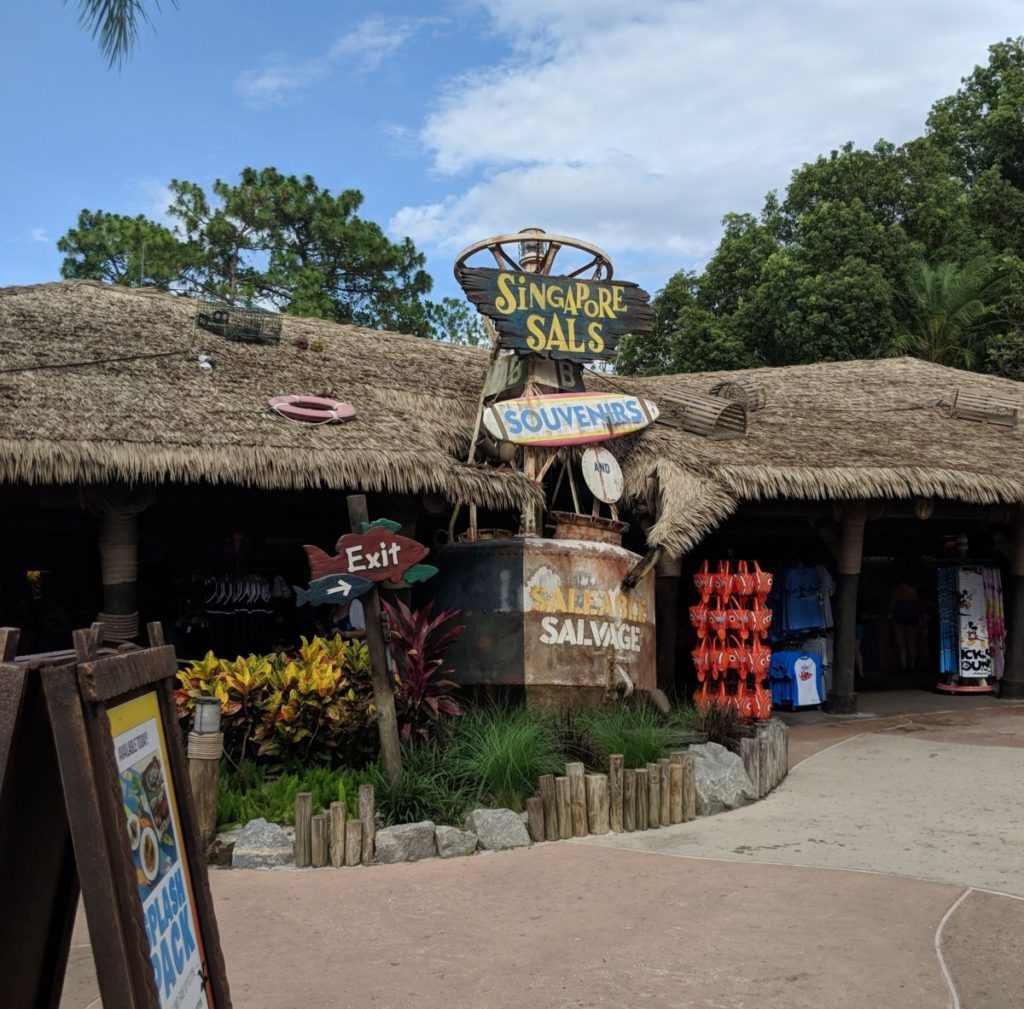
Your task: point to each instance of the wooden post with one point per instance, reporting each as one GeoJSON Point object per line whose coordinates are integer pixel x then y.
{"type": "Point", "coordinates": [353, 842]}
{"type": "Point", "coordinates": [842, 699]}
{"type": "Point", "coordinates": [318, 841]}
{"type": "Point", "coordinates": [303, 829]}
{"type": "Point", "coordinates": [629, 800]}
{"type": "Point", "coordinates": [563, 802]}
{"type": "Point", "coordinates": [653, 795]}
{"type": "Point", "coordinates": [369, 828]}
{"type": "Point", "coordinates": [535, 817]}
{"type": "Point", "coordinates": [667, 573]}
{"type": "Point", "coordinates": [664, 792]}
{"type": "Point", "coordinates": [577, 798]}
{"type": "Point", "coordinates": [749, 752]}
{"type": "Point", "coordinates": [675, 788]}
{"type": "Point", "coordinates": [597, 803]}
{"type": "Point", "coordinates": [204, 753]}
{"type": "Point", "coordinates": [615, 799]}
{"type": "Point", "coordinates": [383, 695]}
{"type": "Point", "coordinates": [338, 815]}
{"type": "Point", "coordinates": [1012, 685]}
{"type": "Point", "coordinates": [547, 795]}
{"type": "Point", "coordinates": [642, 821]}
{"type": "Point", "coordinates": [689, 787]}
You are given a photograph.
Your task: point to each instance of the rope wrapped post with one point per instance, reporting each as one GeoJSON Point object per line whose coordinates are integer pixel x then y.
{"type": "Point", "coordinates": [204, 752]}
{"type": "Point", "coordinates": [119, 561]}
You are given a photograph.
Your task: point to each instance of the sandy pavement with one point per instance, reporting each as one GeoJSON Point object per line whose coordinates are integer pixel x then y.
{"type": "Point", "coordinates": [754, 908]}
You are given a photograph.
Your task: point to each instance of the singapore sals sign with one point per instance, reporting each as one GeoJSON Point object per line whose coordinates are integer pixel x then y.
{"type": "Point", "coordinates": [582, 320]}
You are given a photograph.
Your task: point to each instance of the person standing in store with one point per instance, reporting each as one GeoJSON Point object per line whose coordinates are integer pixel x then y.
{"type": "Point", "coordinates": [906, 611]}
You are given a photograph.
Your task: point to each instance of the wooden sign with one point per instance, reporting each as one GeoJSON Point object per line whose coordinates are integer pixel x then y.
{"type": "Point", "coordinates": [508, 375]}
{"type": "Point", "coordinates": [569, 418]}
{"type": "Point", "coordinates": [123, 800]}
{"type": "Point", "coordinates": [378, 555]}
{"type": "Point", "coordinates": [602, 474]}
{"type": "Point", "coordinates": [561, 317]}
{"type": "Point", "coordinates": [332, 590]}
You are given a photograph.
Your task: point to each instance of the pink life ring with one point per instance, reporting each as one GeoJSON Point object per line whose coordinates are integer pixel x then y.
{"type": "Point", "coordinates": [312, 409]}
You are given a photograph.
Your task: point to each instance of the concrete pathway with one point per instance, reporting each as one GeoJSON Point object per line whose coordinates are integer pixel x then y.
{"type": "Point", "coordinates": [901, 802]}
{"type": "Point", "coordinates": [751, 908]}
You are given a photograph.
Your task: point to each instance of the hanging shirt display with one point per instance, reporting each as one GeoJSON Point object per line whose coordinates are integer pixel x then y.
{"type": "Point", "coordinates": [972, 630]}
{"type": "Point", "coordinates": [796, 679]}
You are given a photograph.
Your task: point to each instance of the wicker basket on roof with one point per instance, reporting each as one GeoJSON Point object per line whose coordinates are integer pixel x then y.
{"type": "Point", "coordinates": [747, 391]}
{"type": "Point", "coordinates": [709, 416]}
{"type": "Point", "coordinates": [984, 409]}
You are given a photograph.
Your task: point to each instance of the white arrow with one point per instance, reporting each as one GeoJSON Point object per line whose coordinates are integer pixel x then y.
{"type": "Point", "coordinates": [343, 587]}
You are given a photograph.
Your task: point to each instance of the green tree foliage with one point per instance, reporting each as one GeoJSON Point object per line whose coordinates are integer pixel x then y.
{"type": "Point", "coordinates": [271, 239]}
{"type": "Point", "coordinates": [916, 248]}
{"type": "Point", "coordinates": [453, 320]}
{"type": "Point", "coordinates": [134, 251]}
{"type": "Point", "coordinates": [115, 23]}
{"type": "Point", "coordinates": [949, 310]}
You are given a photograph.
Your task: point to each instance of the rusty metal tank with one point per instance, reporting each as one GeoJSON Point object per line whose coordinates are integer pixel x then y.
{"type": "Point", "coordinates": [549, 615]}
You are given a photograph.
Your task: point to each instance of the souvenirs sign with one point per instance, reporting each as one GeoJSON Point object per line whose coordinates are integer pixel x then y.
{"type": "Point", "coordinates": [569, 418]}
{"type": "Point", "coordinates": [561, 317]}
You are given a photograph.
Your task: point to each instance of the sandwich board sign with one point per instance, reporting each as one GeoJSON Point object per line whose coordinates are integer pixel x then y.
{"type": "Point", "coordinates": [95, 797]}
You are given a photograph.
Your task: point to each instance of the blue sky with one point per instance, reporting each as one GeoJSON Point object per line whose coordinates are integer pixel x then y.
{"type": "Point", "coordinates": [635, 126]}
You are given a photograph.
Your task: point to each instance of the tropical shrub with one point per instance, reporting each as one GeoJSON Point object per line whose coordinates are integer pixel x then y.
{"type": "Point", "coordinates": [721, 724]}
{"type": "Point", "coordinates": [500, 751]}
{"type": "Point", "coordinates": [638, 731]}
{"type": "Point", "coordinates": [423, 695]}
{"type": "Point", "coordinates": [431, 787]}
{"type": "Point", "coordinates": [244, 794]}
{"type": "Point", "coordinates": [311, 707]}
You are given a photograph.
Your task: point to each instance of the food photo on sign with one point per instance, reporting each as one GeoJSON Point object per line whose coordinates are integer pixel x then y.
{"type": "Point", "coordinates": [161, 873]}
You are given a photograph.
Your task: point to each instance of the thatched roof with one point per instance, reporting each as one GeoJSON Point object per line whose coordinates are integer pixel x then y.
{"type": "Point", "coordinates": [844, 430]}
{"type": "Point", "coordinates": [100, 383]}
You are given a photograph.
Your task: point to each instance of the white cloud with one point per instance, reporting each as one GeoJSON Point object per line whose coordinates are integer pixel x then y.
{"type": "Point", "coordinates": [38, 236]}
{"type": "Point", "coordinates": [360, 51]}
{"type": "Point", "coordinates": [639, 129]}
{"type": "Point", "coordinates": [152, 198]}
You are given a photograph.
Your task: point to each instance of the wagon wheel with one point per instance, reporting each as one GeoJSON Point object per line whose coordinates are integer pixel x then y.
{"type": "Point", "coordinates": [532, 250]}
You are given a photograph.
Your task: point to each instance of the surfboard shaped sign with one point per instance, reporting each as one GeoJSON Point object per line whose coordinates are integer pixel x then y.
{"type": "Point", "coordinates": [568, 418]}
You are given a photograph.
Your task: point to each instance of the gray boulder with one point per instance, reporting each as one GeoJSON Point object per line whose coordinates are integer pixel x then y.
{"type": "Point", "coordinates": [408, 842]}
{"type": "Point", "coordinates": [498, 829]}
{"type": "Point", "coordinates": [722, 781]}
{"type": "Point", "coordinates": [262, 845]}
{"type": "Point", "coordinates": [452, 842]}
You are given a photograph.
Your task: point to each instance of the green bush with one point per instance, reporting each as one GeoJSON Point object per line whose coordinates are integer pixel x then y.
{"type": "Point", "coordinates": [430, 788]}
{"type": "Point", "coordinates": [314, 706]}
{"type": "Point", "coordinates": [639, 732]}
{"type": "Point", "coordinates": [722, 725]}
{"type": "Point", "coordinates": [245, 795]}
{"type": "Point", "coordinates": [499, 751]}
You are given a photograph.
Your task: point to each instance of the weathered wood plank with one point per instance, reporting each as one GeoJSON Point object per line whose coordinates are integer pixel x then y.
{"type": "Point", "coordinates": [597, 803]}
{"type": "Point", "coordinates": [615, 798]}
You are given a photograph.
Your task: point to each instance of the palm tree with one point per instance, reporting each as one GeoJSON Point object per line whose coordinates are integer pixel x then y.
{"type": "Point", "coordinates": [948, 309]}
{"type": "Point", "coordinates": [116, 22]}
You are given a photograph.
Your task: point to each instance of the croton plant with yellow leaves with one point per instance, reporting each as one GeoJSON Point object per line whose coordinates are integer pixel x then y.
{"type": "Point", "coordinates": [312, 706]}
